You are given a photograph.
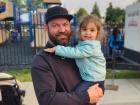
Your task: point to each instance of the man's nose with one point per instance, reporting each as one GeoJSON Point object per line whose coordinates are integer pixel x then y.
{"type": "Point", "coordinates": [62, 29]}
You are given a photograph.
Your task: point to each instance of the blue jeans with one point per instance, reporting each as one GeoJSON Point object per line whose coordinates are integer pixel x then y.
{"type": "Point", "coordinates": [83, 86]}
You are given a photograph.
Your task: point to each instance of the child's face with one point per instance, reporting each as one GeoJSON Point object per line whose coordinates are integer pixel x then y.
{"type": "Point", "coordinates": [89, 32]}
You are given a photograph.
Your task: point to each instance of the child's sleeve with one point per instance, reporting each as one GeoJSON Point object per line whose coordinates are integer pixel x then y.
{"type": "Point", "coordinates": [75, 52]}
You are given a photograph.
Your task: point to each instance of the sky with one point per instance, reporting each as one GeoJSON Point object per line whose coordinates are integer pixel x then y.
{"type": "Point", "coordinates": [74, 5]}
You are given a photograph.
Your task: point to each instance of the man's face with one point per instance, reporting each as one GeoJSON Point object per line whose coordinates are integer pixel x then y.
{"type": "Point", "coordinates": [59, 31]}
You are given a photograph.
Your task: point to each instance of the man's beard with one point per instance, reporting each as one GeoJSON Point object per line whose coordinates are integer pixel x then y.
{"type": "Point", "coordinates": [55, 40]}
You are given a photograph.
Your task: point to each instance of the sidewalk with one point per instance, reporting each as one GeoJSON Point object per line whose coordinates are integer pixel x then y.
{"type": "Point", "coordinates": [128, 93]}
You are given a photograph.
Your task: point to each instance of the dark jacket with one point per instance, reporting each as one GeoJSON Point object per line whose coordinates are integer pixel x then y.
{"type": "Point", "coordinates": [55, 78]}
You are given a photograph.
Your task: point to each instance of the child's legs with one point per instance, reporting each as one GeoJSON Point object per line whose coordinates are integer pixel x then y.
{"type": "Point", "coordinates": [83, 86]}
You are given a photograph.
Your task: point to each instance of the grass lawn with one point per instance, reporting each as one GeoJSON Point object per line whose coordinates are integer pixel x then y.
{"type": "Point", "coordinates": [120, 74]}
{"type": "Point", "coordinates": [21, 75]}
{"type": "Point", "coordinates": [25, 74]}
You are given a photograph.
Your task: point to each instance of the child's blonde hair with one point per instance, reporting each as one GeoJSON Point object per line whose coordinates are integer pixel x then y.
{"type": "Point", "coordinates": [92, 19]}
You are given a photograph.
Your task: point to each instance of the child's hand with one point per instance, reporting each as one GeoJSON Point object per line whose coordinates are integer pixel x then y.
{"type": "Point", "coordinates": [50, 50]}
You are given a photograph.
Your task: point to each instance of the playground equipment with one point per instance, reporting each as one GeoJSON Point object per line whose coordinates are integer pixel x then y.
{"type": "Point", "coordinates": [2, 6]}
{"type": "Point", "coordinates": [40, 33]}
{"type": "Point", "coordinates": [4, 35]}
{"type": "Point", "coordinates": [41, 37]}
{"type": "Point", "coordinates": [6, 11]}
{"type": "Point", "coordinates": [9, 13]}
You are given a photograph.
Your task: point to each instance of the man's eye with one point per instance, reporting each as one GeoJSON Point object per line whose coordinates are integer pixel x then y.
{"type": "Point", "coordinates": [66, 24]}
{"type": "Point", "coordinates": [54, 25]}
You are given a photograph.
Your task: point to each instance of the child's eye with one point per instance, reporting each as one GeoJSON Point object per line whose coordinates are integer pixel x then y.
{"type": "Point", "coordinates": [92, 30]}
{"type": "Point", "coordinates": [84, 29]}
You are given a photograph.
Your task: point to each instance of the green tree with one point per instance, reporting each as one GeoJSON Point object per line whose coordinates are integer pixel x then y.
{"type": "Point", "coordinates": [96, 10]}
{"type": "Point", "coordinates": [81, 12]}
{"type": "Point", "coordinates": [109, 13]}
{"type": "Point", "coordinates": [114, 15]}
{"type": "Point", "coordinates": [118, 15]}
{"type": "Point", "coordinates": [17, 2]}
{"type": "Point", "coordinates": [36, 3]}
{"type": "Point", "coordinates": [23, 4]}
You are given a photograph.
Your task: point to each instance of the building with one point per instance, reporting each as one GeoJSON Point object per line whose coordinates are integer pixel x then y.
{"type": "Point", "coordinates": [132, 32]}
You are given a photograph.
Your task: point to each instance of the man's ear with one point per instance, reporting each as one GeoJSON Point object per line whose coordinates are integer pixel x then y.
{"type": "Point", "coordinates": [46, 27]}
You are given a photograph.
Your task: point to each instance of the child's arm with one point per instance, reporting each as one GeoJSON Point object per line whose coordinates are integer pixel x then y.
{"type": "Point", "coordinates": [68, 52]}
{"type": "Point", "coordinates": [75, 52]}
{"type": "Point", "coordinates": [83, 51]}
{"type": "Point", "coordinates": [50, 50]}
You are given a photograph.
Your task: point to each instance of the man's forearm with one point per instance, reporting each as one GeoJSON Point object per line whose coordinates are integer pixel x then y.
{"type": "Point", "coordinates": [63, 98]}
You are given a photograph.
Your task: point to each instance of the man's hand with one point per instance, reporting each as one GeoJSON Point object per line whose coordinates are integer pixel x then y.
{"type": "Point", "coordinates": [95, 92]}
{"type": "Point", "coordinates": [50, 50]}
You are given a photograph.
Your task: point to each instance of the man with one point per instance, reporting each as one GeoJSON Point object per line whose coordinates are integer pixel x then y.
{"type": "Point", "coordinates": [55, 78]}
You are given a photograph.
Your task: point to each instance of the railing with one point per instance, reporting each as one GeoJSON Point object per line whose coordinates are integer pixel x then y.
{"type": "Point", "coordinates": [15, 47]}
{"type": "Point", "coordinates": [17, 50]}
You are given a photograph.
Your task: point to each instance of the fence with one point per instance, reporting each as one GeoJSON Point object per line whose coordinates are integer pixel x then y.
{"type": "Point", "coordinates": [16, 49]}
